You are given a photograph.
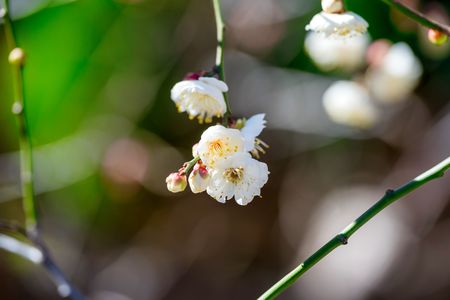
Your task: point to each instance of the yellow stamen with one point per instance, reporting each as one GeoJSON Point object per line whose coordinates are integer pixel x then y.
{"type": "Point", "coordinates": [234, 175]}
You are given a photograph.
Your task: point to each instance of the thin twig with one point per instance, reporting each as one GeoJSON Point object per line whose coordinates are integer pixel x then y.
{"type": "Point", "coordinates": [26, 160]}
{"type": "Point", "coordinates": [342, 238]}
{"type": "Point", "coordinates": [418, 16]}
{"type": "Point", "coordinates": [37, 253]}
{"type": "Point", "coordinates": [220, 52]}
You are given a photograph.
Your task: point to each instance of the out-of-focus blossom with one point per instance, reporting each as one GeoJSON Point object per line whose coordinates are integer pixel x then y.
{"type": "Point", "coordinates": [397, 75]}
{"type": "Point", "coordinates": [218, 143]}
{"type": "Point", "coordinates": [201, 98]}
{"type": "Point", "coordinates": [332, 6]}
{"type": "Point", "coordinates": [199, 179]}
{"type": "Point", "coordinates": [337, 54]}
{"type": "Point", "coordinates": [176, 182]}
{"type": "Point", "coordinates": [241, 177]}
{"type": "Point", "coordinates": [377, 51]}
{"type": "Point", "coordinates": [347, 24]}
{"type": "Point", "coordinates": [349, 103]}
{"type": "Point", "coordinates": [251, 130]}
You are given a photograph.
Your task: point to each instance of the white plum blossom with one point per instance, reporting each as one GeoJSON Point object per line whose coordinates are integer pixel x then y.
{"type": "Point", "coordinates": [251, 130]}
{"type": "Point", "coordinates": [218, 143]}
{"type": "Point", "coordinates": [337, 25]}
{"type": "Point", "coordinates": [202, 99]}
{"type": "Point", "coordinates": [349, 103]}
{"type": "Point", "coordinates": [199, 179]}
{"type": "Point", "coordinates": [396, 76]}
{"type": "Point", "coordinates": [240, 176]}
{"type": "Point", "coordinates": [332, 54]}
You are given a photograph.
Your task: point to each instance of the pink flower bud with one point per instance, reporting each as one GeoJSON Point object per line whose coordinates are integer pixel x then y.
{"type": "Point", "coordinates": [437, 37]}
{"type": "Point", "coordinates": [377, 51]}
{"type": "Point", "coordinates": [332, 6]}
{"type": "Point", "coordinates": [176, 182]}
{"type": "Point", "coordinates": [199, 179]}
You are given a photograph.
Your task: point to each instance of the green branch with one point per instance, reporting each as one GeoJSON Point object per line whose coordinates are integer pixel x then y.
{"type": "Point", "coordinates": [220, 52]}
{"type": "Point", "coordinates": [418, 16]}
{"type": "Point", "coordinates": [341, 239]}
{"type": "Point", "coordinates": [16, 59]}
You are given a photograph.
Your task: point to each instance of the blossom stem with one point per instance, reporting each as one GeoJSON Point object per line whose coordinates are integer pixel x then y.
{"type": "Point", "coordinates": [342, 238]}
{"type": "Point", "coordinates": [191, 164]}
{"type": "Point", "coordinates": [220, 68]}
{"type": "Point", "coordinates": [17, 60]}
{"type": "Point", "coordinates": [418, 16]}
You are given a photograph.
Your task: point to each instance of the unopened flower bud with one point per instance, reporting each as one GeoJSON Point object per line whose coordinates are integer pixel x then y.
{"type": "Point", "coordinates": [239, 124]}
{"type": "Point", "coordinates": [332, 6]}
{"type": "Point", "coordinates": [199, 179]}
{"type": "Point", "coordinates": [176, 182]}
{"type": "Point", "coordinates": [437, 37]}
{"type": "Point", "coordinates": [17, 57]}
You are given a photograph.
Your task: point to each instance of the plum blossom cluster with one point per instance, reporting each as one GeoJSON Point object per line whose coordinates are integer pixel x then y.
{"type": "Point", "coordinates": [338, 41]}
{"type": "Point", "coordinates": [224, 161]}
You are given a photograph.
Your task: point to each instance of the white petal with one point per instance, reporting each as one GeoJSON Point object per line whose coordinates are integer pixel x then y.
{"type": "Point", "coordinates": [222, 86]}
{"type": "Point", "coordinates": [331, 54]}
{"type": "Point", "coordinates": [253, 128]}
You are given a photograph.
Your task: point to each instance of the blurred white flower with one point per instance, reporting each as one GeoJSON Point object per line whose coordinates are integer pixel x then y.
{"type": "Point", "coordinates": [176, 182]}
{"type": "Point", "coordinates": [240, 176]}
{"type": "Point", "coordinates": [199, 178]}
{"type": "Point", "coordinates": [253, 128]}
{"type": "Point", "coordinates": [346, 24]}
{"type": "Point", "coordinates": [331, 54]}
{"type": "Point", "coordinates": [202, 99]}
{"type": "Point", "coordinates": [349, 103]}
{"type": "Point", "coordinates": [396, 76]}
{"type": "Point", "coordinates": [218, 143]}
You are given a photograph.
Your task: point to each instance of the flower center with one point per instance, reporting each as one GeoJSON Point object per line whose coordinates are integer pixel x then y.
{"type": "Point", "coordinates": [216, 146]}
{"type": "Point", "coordinates": [234, 175]}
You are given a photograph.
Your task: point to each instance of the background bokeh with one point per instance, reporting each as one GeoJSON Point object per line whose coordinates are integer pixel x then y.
{"type": "Point", "coordinates": [105, 134]}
